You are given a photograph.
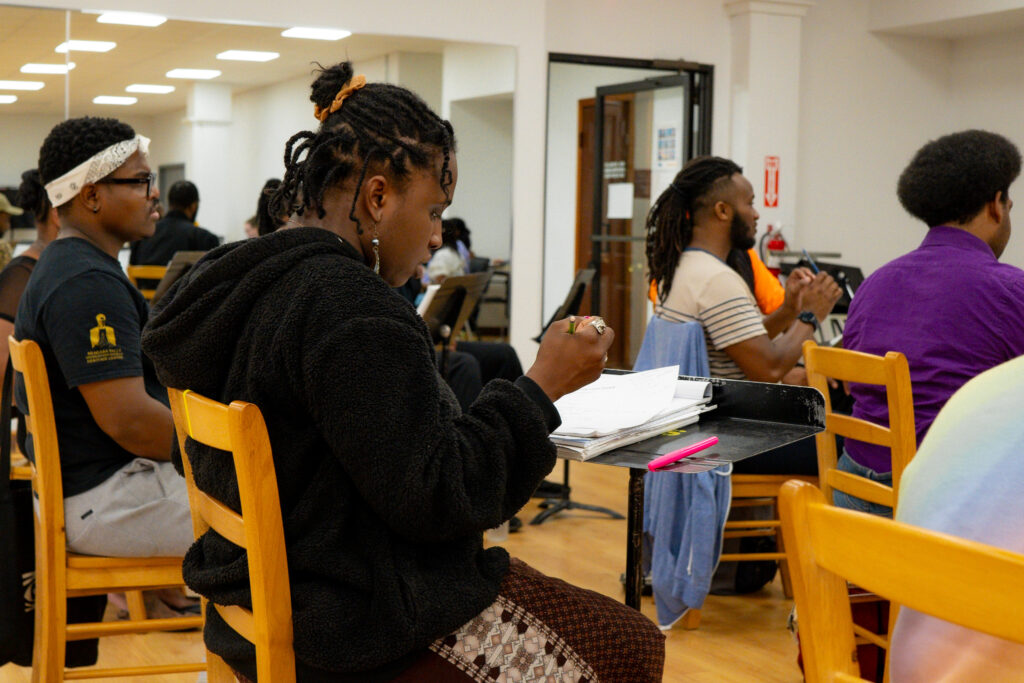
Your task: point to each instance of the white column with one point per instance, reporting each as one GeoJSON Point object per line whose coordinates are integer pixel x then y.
{"type": "Point", "coordinates": [766, 100]}
{"type": "Point", "coordinates": [208, 118]}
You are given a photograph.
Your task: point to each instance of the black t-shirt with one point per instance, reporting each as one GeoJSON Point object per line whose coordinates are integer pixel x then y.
{"type": "Point", "coordinates": [174, 233]}
{"type": "Point", "coordinates": [87, 317]}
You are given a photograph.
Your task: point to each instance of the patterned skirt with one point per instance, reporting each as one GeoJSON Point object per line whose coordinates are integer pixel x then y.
{"type": "Point", "coordinates": [546, 630]}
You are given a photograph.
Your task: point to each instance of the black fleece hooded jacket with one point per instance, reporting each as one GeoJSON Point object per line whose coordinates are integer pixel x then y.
{"type": "Point", "coordinates": [385, 486]}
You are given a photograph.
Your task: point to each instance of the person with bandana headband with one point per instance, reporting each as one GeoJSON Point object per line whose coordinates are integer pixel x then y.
{"type": "Point", "coordinates": [122, 496]}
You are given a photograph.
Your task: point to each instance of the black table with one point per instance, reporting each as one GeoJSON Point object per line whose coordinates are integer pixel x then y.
{"type": "Point", "coordinates": [750, 418]}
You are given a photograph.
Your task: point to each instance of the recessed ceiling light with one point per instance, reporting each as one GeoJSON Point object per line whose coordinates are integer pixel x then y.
{"type": "Point", "coordinates": [152, 89]}
{"type": "Point", "coordinates": [200, 74]}
{"type": "Point", "coordinates": [32, 68]}
{"type": "Point", "coordinates": [114, 99]}
{"type": "Point", "coordinates": [316, 33]}
{"type": "Point", "coordinates": [248, 55]}
{"type": "Point", "coordinates": [8, 99]}
{"type": "Point", "coordinates": [131, 18]}
{"type": "Point", "coordinates": [21, 85]}
{"type": "Point", "coordinates": [86, 46]}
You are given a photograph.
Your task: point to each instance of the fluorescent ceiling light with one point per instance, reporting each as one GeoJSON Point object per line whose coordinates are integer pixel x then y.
{"type": "Point", "coordinates": [248, 55]}
{"type": "Point", "coordinates": [8, 99]}
{"type": "Point", "coordinates": [21, 85]}
{"type": "Point", "coordinates": [199, 74]}
{"type": "Point", "coordinates": [86, 46]}
{"type": "Point", "coordinates": [131, 18]}
{"type": "Point", "coordinates": [316, 33]}
{"type": "Point", "coordinates": [32, 68]}
{"type": "Point", "coordinates": [113, 99]}
{"type": "Point", "coordinates": [152, 89]}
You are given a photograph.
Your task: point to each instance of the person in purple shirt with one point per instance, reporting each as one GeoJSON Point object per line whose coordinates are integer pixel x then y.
{"type": "Point", "coordinates": [949, 305]}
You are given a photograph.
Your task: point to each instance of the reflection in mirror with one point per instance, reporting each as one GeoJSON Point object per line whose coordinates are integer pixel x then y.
{"type": "Point", "coordinates": [226, 131]}
{"type": "Point", "coordinates": [632, 176]}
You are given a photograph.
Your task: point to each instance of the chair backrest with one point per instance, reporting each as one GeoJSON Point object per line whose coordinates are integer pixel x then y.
{"type": "Point", "coordinates": [573, 300]}
{"type": "Point", "coordinates": [146, 273]}
{"type": "Point", "coordinates": [27, 358]}
{"type": "Point", "coordinates": [968, 583]}
{"type": "Point", "coordinates": [900, 436]}
{"type": "Point", "coordinates": [671, 343]}
{"type": "Point", "coordinates": [239, 429]}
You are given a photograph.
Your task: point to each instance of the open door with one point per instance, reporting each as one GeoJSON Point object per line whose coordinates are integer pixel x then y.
{"type": "Point", "coordinates": [634, 137]}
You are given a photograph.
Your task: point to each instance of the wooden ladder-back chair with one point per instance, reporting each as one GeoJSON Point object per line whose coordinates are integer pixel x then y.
{"type": "Point", "coordinates": [911, 566]}
{"type": "Point", "coordinates": [893, 372]}
{"type": "Point", "coordinates": [239, 429]}
{"type": "Point", "coordinates": [136, 273]}
{"type": "Point", "coordinates": [61, 574]}
{"type": "Point", "coordinates": [900, 436]}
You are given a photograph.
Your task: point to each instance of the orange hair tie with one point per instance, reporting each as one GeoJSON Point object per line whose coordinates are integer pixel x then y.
{"type": "Point", "coordinates": [356, 83]}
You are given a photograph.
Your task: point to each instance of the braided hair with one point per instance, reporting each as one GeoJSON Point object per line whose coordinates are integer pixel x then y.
{"type": "Point", "coordinates": [380, 128]}
{"type": "Point", "coordinates": [670, 220]}
{"type": "Point", "coordinates": [32, 195]}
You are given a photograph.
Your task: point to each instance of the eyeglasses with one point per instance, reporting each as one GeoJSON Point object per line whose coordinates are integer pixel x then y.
{"type": "Point", "coordinates": [146, 180]}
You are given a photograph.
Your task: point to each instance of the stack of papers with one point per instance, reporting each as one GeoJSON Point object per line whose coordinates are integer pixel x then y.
{"type": "Point", "coordinates": [622, 409]}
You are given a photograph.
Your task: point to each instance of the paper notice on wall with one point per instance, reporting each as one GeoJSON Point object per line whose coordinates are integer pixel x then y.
{"type": "Point", "coordinates": [620, 200]}
{"type": "Point", "coordinates": [668, 147]}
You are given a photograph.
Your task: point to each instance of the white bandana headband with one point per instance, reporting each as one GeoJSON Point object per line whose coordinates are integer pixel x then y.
{"type": "Point", "coordinates": [100, 165]}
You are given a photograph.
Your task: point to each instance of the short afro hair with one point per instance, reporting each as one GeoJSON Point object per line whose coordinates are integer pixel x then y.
{"type": "Point", "coordinates": [73, 141]}
{"type": "Point", "coordinates": [182, 195]}
{"type": "Point", "coordinates": [951, 179]}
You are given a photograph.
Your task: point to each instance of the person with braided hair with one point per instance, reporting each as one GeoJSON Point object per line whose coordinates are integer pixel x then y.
{"type": "Point", "coordinates": [707, 211]}
{"type": "Point", "coordinates": [386, 484]}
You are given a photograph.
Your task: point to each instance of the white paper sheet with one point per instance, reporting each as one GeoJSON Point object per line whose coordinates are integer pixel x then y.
{"type": "Point", "coordinates": [617, 402]}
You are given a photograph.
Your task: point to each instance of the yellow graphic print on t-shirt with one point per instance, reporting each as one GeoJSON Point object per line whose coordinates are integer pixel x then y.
{"type": "Point", "coordinates": [104, 342]}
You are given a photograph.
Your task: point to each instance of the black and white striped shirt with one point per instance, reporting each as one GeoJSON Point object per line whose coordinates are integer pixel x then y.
{"type": "Point", "coordinates": [706, 290]}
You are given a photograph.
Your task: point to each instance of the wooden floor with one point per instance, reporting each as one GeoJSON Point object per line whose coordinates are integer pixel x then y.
{"type": "Point", "coordinates": [740, 639]}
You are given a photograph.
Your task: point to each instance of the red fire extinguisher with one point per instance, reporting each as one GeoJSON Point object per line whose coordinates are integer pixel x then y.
{"type": "Point", "coordinates": [772, 243]}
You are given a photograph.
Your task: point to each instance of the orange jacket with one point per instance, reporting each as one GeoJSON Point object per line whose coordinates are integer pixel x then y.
{"type": "Point", "coordinates": [768, 291]}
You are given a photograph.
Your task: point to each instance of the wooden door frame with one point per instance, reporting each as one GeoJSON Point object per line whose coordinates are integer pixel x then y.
{"type": "Point", "coordinates": [587, 231]}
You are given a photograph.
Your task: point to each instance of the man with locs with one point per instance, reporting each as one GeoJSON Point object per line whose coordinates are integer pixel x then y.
{"type": "Point", "coordinates": [949, 305]}
{"type": "Point", "coordinates": [707, 211]}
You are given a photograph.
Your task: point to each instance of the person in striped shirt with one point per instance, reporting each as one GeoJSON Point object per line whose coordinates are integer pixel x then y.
{"type": "Point", "coordinates": [707, 210]}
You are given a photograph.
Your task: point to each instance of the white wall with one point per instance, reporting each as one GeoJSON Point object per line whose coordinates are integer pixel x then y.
{"type": "Point", "coordinates": [21, 136]}
{"type": "Point", "coordinates": [867, 103]}
{"type": "Point", "coordinates": [987, 92]}
{"type": "Point", "coordinates": [483, 198]}
{"type": "Point", "coordinates": [472, 71]}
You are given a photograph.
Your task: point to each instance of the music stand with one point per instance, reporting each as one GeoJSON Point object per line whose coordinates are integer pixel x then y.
{"type": "Point", "coordinates": [450, 308]}
{"type": "Point", "coordinates": [571, 305]}
{"type": "Point", "coordinates": [560, 500]}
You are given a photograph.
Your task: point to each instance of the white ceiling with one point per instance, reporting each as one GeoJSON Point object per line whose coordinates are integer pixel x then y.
{"type": "Point", "coordinates": [145, 55]}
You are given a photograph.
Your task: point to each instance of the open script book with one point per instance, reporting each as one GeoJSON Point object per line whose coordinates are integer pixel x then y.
{"type": "Point", "coordinates": [617, 410]}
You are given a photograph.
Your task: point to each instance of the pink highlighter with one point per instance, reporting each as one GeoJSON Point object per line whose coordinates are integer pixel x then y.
{"type": "Point", "coordinates": [672, 457]}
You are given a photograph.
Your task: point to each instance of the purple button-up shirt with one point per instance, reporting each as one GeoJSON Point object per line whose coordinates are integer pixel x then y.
{"type": "Point", "coordinates": [951, 308]}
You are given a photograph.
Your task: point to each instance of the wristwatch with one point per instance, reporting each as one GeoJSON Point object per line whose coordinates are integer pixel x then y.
{"type": "Point", "coordinates": [809, 318]}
